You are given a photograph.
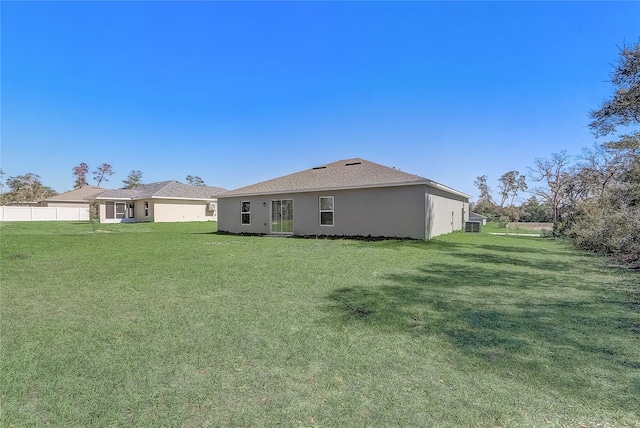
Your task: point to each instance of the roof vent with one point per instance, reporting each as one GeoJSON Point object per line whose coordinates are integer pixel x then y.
{"type": "Point", "coordinates": [352, 163]}
{"type": "Point", "coordinates": [319, 167]}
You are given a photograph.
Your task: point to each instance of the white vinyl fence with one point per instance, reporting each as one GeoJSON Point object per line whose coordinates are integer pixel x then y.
{"type": "Point", "coordinates": [43, 213]}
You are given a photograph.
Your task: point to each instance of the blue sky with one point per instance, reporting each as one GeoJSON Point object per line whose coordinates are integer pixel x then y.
{"type": "Point", "coordinates": [238, 93]}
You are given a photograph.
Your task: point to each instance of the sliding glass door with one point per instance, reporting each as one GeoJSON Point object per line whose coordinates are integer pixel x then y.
{"type": "Point", "coordinates": [282, 216]}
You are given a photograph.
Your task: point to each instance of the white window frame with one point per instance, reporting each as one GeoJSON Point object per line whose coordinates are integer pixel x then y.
{"type": "Point", "coordinates": [146, 208]}
{"type": "Point", "coordinates": [123, 206]}
{"type": "Point", "coordinates": [242, 213]}
{"type": "Point", "coordinates": [332, 211]}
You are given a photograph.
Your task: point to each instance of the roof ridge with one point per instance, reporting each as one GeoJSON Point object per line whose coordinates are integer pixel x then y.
{"type": "Point", "coordinates": [167, 184]}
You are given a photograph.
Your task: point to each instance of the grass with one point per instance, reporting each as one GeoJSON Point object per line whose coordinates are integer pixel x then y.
{"type": "Point", "coordinates": [517, 228]}
{"type": "Point", "coordinates": [173, 325]}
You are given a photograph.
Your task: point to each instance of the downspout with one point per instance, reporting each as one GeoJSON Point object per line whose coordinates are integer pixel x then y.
{"type": "Point", "coordinates": [427, 215]}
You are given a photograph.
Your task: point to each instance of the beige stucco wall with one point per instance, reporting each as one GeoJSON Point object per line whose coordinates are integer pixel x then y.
{"type": "Point", "coordinates": [102, 211]}
{"type": "Point", "coordinates": [139, 210]}
{"type": "Point", "coordinates": [165, 210]}
{"type": "Point", "coordinates": [171, 210]}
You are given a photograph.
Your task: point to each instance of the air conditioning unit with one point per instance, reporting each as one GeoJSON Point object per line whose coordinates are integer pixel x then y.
{"type": "Point", "coordinates": [211, 206]}
{"type": "Point", "coordinates": [473, 226]}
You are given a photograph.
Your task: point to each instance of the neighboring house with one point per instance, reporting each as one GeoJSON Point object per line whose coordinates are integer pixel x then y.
{"type": "Point", "coordinates": [351, 197]}
{"type": "Point", "coordinates": [78, 198]}
{"type": "Point", "coordinates": [166, 201]}
{"type": "Point", "coordinates": [478, 217]}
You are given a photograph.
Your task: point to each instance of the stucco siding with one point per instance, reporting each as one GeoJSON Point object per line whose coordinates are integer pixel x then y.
{"type": "Point", "coordinates": [229, 218]}
{"type": "Point", "coordinates": [445, 213]}
{"type": "Point", "coordinates": [138, 211]}
{"type": "Point", "coordinates": [164, 211]}
{"type": "Point", "coordinates": [389, 211]}
{"type": "Point", "coordinates": [102, 211]}
{"type": "Point", "coordinates": [167, 210]}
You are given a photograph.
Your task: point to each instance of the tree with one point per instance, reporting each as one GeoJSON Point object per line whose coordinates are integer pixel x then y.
{"type": "Point", "coordinates": [195, 180]}
{"type": "Point", "coordinates": [102, 172]}
{"type": "Point", "coordinates": [609, 222]}
{"type": "Point", "coordinates": [623, 109]}
{"type": "Point", "coordinates": [27, 188]}
{"type": "Point", "coordinates": [534, 211]}
{"type": "Point", "coordinates": [80, 172]}
{"type": "Point", "coordinates": [510, 184]}
{"type": "Point", "coordinates": [555, 176]}
{"type": "Point", "coordinates": [134, 179]}
{"type": "Point", "coordinates": [483, 187]}
{"type": "Point", "coordinates": [597, 170]}
{"type": "Point", "coordinates": [485, 205]}
{"type": "Point", "coordinates": [2, 173]}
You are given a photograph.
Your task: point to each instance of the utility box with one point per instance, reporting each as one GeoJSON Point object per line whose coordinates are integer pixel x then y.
{"type": "Point", "coordinates": [473, 226]}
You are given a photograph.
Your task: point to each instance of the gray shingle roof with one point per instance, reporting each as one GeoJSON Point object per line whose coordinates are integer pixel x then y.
{"type": "Point", "coordinates": [164, 189]}
{"type": "Point", "coordinates": [344, 174]}
{"type": "Point", "coordinates": [476, 215]}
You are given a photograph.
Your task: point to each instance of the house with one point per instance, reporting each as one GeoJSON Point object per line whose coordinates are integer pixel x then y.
{"type": "Point", "coordinates": [478, 217]}
{"type": "Point", "coordinates": [78, 198]}
{"type": "Point", "coordinates": [351, 197]}
{"type": "Point", "coordinates": [166, 201]}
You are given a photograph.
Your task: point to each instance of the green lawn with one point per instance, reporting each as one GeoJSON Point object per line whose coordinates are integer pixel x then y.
{"type": "Point", "coordinates": [515, 228]}
{"type": "Point", "coordinates": [173, 325]}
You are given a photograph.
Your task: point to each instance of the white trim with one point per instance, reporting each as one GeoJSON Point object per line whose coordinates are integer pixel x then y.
{"type": "Point", "coordinates": [154, 197]}
{"type": "Point", "coordinates": [448, 189]}
{"type": "Point", "coordinates": [115, 199]}
{"type": "Point", "coordinates": [182, 199]}
{"type": "Point", "coordinates": [245, 212]}
{"type": "Point", "coordinates": [332, 210]}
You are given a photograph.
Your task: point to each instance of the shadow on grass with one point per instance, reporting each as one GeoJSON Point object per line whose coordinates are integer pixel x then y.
{"type": "Point", "coordinates": [530, 321]}
{"type": "Point", "coordinates": [502, 261]}
{"type": "Point", "coordinates": [523, 249]}
{"type": "Point", "coordinates": [448, 246]}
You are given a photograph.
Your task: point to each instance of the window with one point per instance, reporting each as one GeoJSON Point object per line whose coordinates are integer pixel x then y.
{"type": "Point", "coordinates": [146, 208]}
{"type": "Point", "coordinates": [245, 212]}
{"type": "Point", "coordinates": [120, 209]}
{"type": "Point", "coordinates": [115, 210]}
{"type": "Point", "coordinates": [282, 216]}
{"type": "Point", "coordinates": [110, 209]}
{"type": "Point", "coordinates": [326, 210]}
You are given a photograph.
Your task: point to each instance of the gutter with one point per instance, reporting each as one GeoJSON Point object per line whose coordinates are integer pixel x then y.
{"type": "Point", "coordinates": [369, 186]}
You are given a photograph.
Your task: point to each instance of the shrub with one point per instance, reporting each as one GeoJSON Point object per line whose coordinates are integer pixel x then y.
{"type": "Point", "coordinates": [608, 228]}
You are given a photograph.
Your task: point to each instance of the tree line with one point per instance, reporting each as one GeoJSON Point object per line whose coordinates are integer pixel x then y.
{"type": "Point", "coordinates": [592, 198]}
{"type": "Point", "coordinates": [28, 188]}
